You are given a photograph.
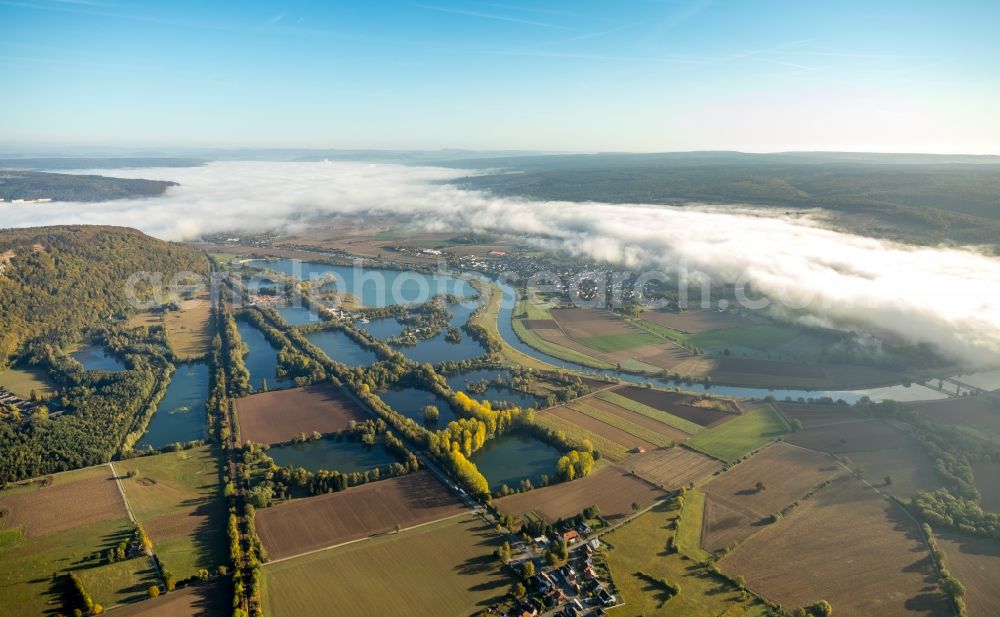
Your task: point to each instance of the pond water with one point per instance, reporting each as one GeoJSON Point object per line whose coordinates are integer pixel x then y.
{"type": "Point", "coordinates": [510, 458]}
{"type": "Point", "coordinates": [901, 393]}
{"type": "Point", "coordinates": [330, 454]}
{"type": "Point", "coordinates": [261, 359]}
{"type": "Point", "coordinates": [297, 315]}
{"type": "Point", "coordinates": [373, 287]}
{"type": "Point", "coordinates": [492, 393]}
{"type": "Point", "coordinates": [436, 349]}
{"type": "Point", "coordinates": [341, 348]}
{"type": "Point", "coordinates": [96, 358]}
{"type": "Point", "coordinates": [382, 328]}
{"type": "Point", "coordinates": [180, 416]}
{"type": "Point", "coordinates": [411, 402]}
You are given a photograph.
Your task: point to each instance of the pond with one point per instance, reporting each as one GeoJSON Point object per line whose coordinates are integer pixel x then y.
{"type": "Point", "coordinates": [261, 359]}
{"type": "Point", "coordinates": [330, 454]}
{"type": "Point", "coordinates": [180, 416]}
{"type": "Point", "coordinates": [436, 349]}
{"type": "Point", "coordinates": [493, 393]}
{"type": "Point", "coordinates": [96, 358]}
{"type": "Point", "coordinates": [411, 402]}
{"type": "Point", "coordinates": [342, 348]}
{"type": "Point", "coordinates": [298, 315]}
{"type": "Point", "coordinates": [372, 286]}
{"type": "Point", "coordinates": [510, 458]}
{"type": "Point", "coordinates": [382, 328]}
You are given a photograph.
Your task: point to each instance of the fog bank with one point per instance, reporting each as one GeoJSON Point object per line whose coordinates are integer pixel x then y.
{"type": "Point", "coordinates": [948, 297]}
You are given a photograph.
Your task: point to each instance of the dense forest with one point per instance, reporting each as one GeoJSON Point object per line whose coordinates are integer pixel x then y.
{"type": "Point", "coordinates": [70, 187]}
{"type": "Point", "coordinates": [912, 197]}
{"type": "Point", "coordinates": [54, 281]}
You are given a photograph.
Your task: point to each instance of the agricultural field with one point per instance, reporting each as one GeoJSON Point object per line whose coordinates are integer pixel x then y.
{"type": "Point", "coordinates": [690, 524]}
{"type": "Point", "coordinates": [211, 599]}
{"type": "Point", "coordinates": [673, 468]}
{"type": "Point", "coordinates": [189, 330]}
{"type": "Point", "coordinates": [446, 568]}
{"type": "Point", "coordinates": [849, 546]}
{"type": "Point", "coordinates": [65, 526]}
{"type": "Point", "coordinates": [23, 379]}
{"type": "Point", "coordinates": [975, 562]}
{"type": "Point", "coordinates": [281, 415]}
{"type": "Point", "coordinates": [770, 373]}
{"type": "Point", "coordinates": [909, 469]}
{"type": "Point", "coordinates": [987, 475]}
{"type": "Point", "coordinates": [695, 321]}
{"type": "Point", "coordinates": [863, 436]}
{"type": "Point", "coordinates": [636, 555]}
{"type": "Point", "coordinates": [304, 525]}
{"type": "Point", "coordinates": [177, 497]}
{"type": "Point", "coordinates": [684, 426]}
{"type": "Point", "coordinates": [656, 433]}
{"type": "Point", "coordinates": [38, 508]}
{"type": "Point", "coordinates": [611, 489]}
{"type": "Point", "coordinates": [977, 413]}
{"type": "Point", "coordinates": [815, 415]}
{"type": "Point", "coordinates": [736, 508]}
{"type": "Point", "coordinates": [610, 450]}
{"type": "Point", "coordinates": [615, 434]}
{"type": "Point", "coordinates": [703, 412]}
{"type": "Point", "coordinates": [738, 437]}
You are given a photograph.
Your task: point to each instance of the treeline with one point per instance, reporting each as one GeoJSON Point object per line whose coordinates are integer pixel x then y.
{"type": "Point", "coordinates": [59, 280]}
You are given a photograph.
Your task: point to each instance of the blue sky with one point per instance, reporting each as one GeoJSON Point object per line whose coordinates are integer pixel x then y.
{"type": "Point", "coordinates": [642, 75]}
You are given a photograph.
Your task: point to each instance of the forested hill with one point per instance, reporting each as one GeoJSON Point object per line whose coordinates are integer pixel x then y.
{"type": "Point", "coordinates": [17, 184]}
{"type": "Point", "coordinates": [923, 198]}
{"type": "Point", "coordinates": [56, 280]}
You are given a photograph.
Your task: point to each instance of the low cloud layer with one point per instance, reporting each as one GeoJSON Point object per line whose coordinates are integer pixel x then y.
{"type": "Point", "coordinates": [948, 297]}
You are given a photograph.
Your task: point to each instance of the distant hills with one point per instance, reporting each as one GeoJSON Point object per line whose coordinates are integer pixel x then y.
{"type": "Point", "coordinates": [18, 184]}
{"type": "Point", "coordinates": [914, 197]}
{"type": "Point", "coordinates": [85, 162]}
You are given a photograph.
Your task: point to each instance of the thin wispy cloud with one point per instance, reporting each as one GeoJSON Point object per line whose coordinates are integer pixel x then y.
{"type": "Point", "coordinates": [493, 16]}
{"type": "Point", "coordinates": [275, 19]}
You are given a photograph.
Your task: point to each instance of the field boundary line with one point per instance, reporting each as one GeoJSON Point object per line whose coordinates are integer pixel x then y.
{"type": "Point", "coordinates": [370, 537]}
{"type": "Point", "coordinates": [121, 491]}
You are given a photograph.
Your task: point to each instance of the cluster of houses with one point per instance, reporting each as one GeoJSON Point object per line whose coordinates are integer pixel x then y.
{"type": "Point", "coordinates": [9, 400]}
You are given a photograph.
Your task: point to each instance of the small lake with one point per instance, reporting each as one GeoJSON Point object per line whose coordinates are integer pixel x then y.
{"type": "Point", "coordinates": [493, 392]}
{"type": "Point", "coordinates": [382, 328]}
{"type": "Point", "coordinates": [411, 402]}
{"type": "Point", "coordinates": [342, 348]}
{"type": "Point", "coordinates": [180, 416]}
{"type": "Point", "coordinates": [510, 458]}
{"type": "Point", "coordinates": [96, 358]}
{"type": "Point", "coordinates": [330, 454]}
{"type": "Point", "coordinates": [436, 349]}
{"type": "Point", "coordinates": [297, 315]}
{"type": "Point", "coordinates": [372, 286]}
{"type": "Point", "coordinates": [261, 359]}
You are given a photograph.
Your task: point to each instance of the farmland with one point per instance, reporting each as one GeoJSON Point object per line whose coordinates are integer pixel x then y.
{"type": "Point", "coordinates": [189, 330]}
{"type": "Point", "coordinates": [863, 436]}
{"type": "Point", "coordinates": [210, 599]}
{"type": "Point", "coordinates": [848, 546]}
{"type": "Point", "coordinates": [615, 434]}
{"type": "Point", "coordinates": [813, 415]}
{"type": "Point", "coordinates": [304, 525]}
{"type": "Point", "coordinates": [976, 563]}
{"type": "Point", "coordinates": [39, 510]}
{"type": "Point", "coordinates": [281, 415]}
{"type": "Point", "coordinates": [610, 450]}
{"type": "Point", "coordinates": [971, 411]}
{"type": "Point", "coordinates": [737, 438]}
{"type": "Point", "coordinates": [987, 476]}
{"type": "Point", "coordinates": [656, 433]}
{"type": "Point", "coordinates": [685, 406]}
{"type": "Point", "coordinates": [63, 527]}
{"type": "Point", "coordinates": [672, 468]}
{"type": "Point", "coordinates": [736, 508]}
{"type": "Point", "coordinates": [612, 489]}
{"type": "Point", "coordinates": [178, 499]}
{"type": "Point", "coordinates": [636, 553]}
{"type": "Point", "coordinates": [22, 380]}
{"type": "Point", "coordinates": [685, 426]}
{"type": "Point", "coordinates": [446, 568]}
{"type": "Point", "coordinates": [695, 321]}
